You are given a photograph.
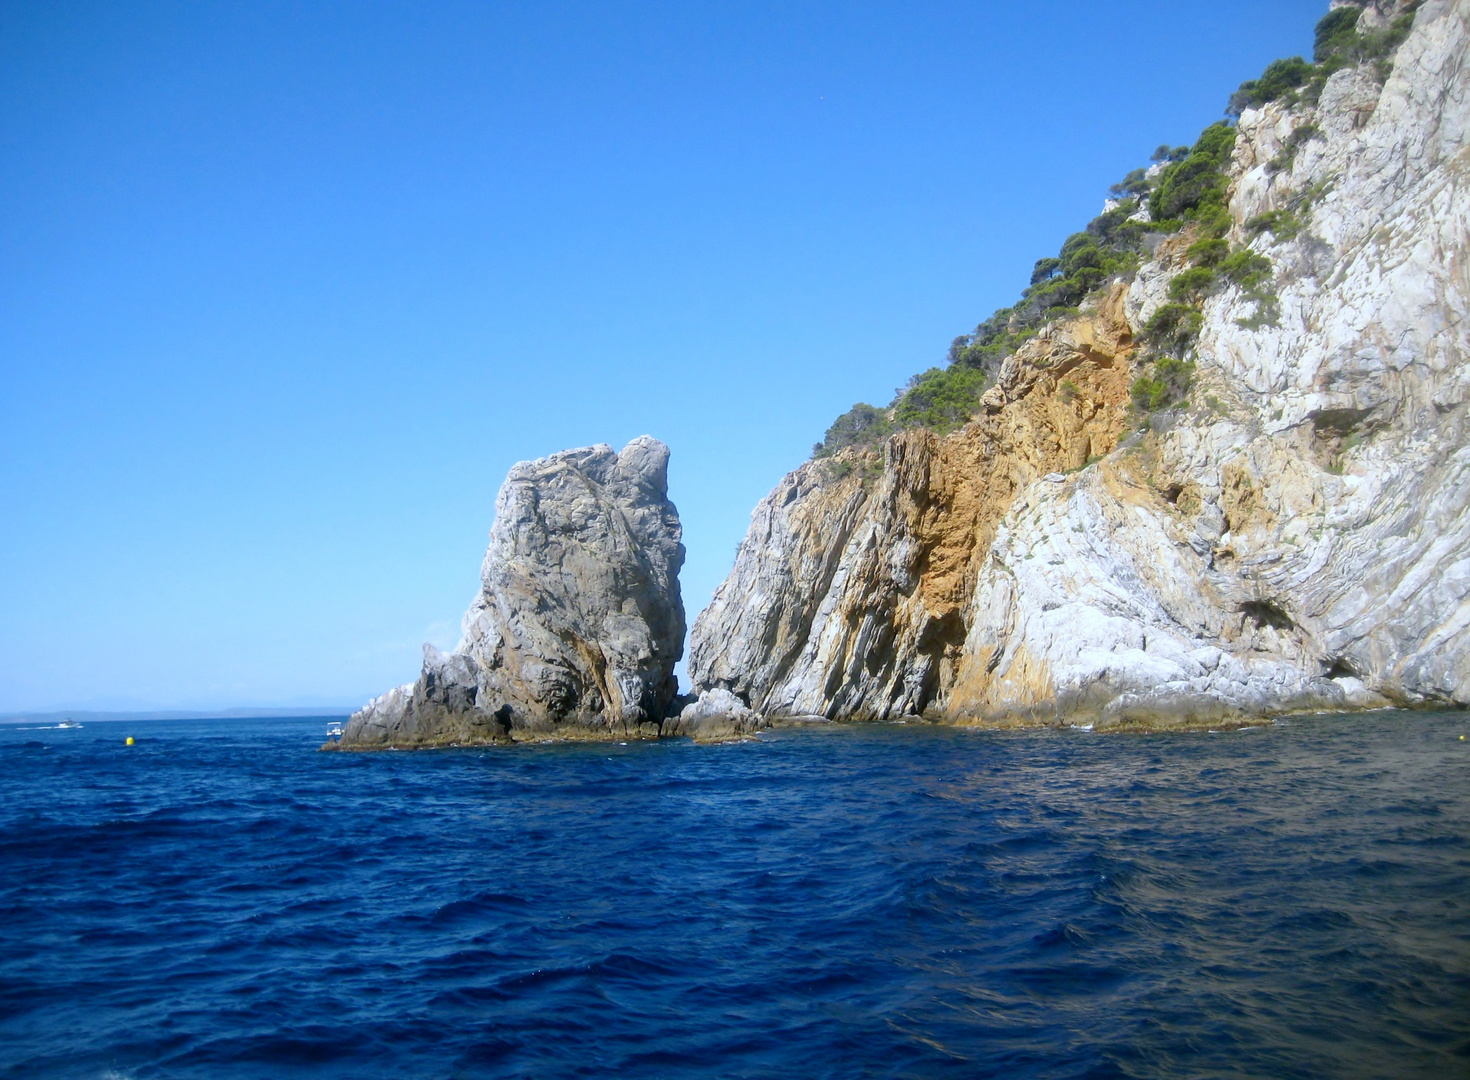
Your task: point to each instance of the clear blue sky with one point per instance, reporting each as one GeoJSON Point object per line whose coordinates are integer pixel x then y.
{"type": "Point", "coordinates": [285, 288]}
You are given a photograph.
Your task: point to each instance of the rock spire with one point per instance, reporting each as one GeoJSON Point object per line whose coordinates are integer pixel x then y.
{"type": "Point", "coordinates": [578, 623]}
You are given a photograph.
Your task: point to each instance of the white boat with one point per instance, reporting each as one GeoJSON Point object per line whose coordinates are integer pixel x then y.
{"type": "Point", "coordinates": [68, 724]}
{"type": "Point", "coordinates": [334, 730]}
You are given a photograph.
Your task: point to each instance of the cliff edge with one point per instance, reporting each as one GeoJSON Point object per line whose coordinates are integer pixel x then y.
{"type": "Point", "coordinates": [1233, 482]}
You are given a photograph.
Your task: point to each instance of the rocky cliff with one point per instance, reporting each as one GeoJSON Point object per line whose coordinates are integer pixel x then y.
{"type": "Point", "coordinates": [578, 623]}
{"type": "Point", "coordinates": [1296, 535]}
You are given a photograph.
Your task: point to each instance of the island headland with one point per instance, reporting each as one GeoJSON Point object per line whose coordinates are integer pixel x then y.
{"type": "Point", "coordinates": [1212, 466]}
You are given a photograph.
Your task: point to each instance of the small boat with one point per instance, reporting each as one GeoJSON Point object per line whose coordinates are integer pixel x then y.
{"type": "Point", "coordinates": [334, 730]}
{"type": "Point", "coordinates": [68, 724]}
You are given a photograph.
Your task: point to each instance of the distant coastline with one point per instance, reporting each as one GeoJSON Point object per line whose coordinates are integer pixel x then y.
{"type": "Point", "coordinates": [326, 712]}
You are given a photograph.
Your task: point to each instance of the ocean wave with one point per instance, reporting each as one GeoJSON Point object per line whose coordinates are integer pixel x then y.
{"type": "Point", "coordinates": [824, 904]}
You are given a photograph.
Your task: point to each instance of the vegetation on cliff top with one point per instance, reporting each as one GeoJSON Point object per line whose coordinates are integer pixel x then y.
{"type": "Point", "coordinates": [1337, 43]}
{"type": "Point", "coordinates": [1186, 187]}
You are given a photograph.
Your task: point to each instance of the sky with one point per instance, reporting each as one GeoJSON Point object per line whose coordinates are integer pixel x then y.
{"type": "Point", "coordinates": [286, 288]}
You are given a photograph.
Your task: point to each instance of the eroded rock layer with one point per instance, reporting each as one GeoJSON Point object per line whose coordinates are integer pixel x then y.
{"type": "Point", "coordinates": [578, 623]}
{"type": "Point", "coordinates": [1297, 538]}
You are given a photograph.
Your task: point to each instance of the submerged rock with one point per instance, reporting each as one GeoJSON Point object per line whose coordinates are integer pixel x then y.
{"type": "Point", "coordinates": [578, 623]}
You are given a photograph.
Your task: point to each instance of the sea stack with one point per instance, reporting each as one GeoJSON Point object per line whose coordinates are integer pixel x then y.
{"type": "Point", "coordinates": [578, 623]}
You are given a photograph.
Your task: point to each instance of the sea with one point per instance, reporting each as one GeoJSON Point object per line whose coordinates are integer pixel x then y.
{"type": "Point", "coordinates": [222, 900]}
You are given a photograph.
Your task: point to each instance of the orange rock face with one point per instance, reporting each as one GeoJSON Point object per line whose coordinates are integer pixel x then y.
{"type": "Point", "coordinates": [907, 532]}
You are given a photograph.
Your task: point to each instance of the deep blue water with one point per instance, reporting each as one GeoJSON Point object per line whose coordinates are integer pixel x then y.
{"type": "Point", "coordinates": [220, 900]}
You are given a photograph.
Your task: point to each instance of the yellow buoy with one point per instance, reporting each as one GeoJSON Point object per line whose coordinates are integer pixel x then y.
{"type": "Point", "coordinates": [130, 740]}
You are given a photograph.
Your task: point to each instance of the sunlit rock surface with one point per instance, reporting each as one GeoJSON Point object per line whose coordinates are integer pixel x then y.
{"type": "Point", "coordinates": [716, 715]}
{"type": "Point", "coordinates": [1296, 539]}
{"type": "Point", "coordinates": [578, 623]}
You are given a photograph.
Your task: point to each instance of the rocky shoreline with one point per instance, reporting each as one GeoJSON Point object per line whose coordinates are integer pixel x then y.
{"type": "Point", "coordinates": [1284, 528]}
{"type": "Point", "coordinates": [742, 725]}
{"type": "Point", "coordinates": [1137, 528]}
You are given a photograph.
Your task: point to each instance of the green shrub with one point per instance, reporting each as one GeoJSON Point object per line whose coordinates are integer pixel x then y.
{"type": "Point", "coordinates": [1380, 45]}
{"type": "Point", "coordinates": [1337, 43]}
{"type": "Point", "coordinates": [1192, 283]}
{"type": "Point", "coordinates": [1116, 234]}
{"type": "Point", "coordinates": [1058, 285]}
{"type": "Point", "coordinates": [1198, 182]}
{"type": "Point", "coordinates": [941, 399]}
{"type": "Point", "coordinates": [1208, 252]}
{"type": "Point", "coordinates": [1246, 269]}
{"type": "Point", "coordinates": [993, 340]}
{"type": "Point", "coordinates": [1279, 80]}
{"type": "Point", "coordinates": [861, 425]}
{"type": "Point", "coordinates": [1079, 250]}
{"type": "Point", "coordinates": [1173, 327]}
{"type": "Point", "coordinates": [1217, 140]}
{"type": "Point", "coordinates": [1148, 394]}
{"type": "Point", "coordinates": [1282, 224]}
{"type": "Point", "coordinates": [1335, 33]}
{"type": "Point", "coordinates": [1169, 383]}
{"type": "Point", "coordinates": [1135, 184]}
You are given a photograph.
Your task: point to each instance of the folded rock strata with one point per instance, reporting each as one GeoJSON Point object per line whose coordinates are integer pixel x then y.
{"type": "Point", "coordinates": [1297, 539]}
{"type": "Point", "coordinates": [578, 623]}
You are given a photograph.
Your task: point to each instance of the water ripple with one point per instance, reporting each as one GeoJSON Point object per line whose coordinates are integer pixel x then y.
{"type": "Point", "coordinates": [221, 900]}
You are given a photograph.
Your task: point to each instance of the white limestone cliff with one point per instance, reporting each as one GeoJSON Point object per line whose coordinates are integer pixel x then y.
{"type": "Point", "coordinates": [1297, 539]}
